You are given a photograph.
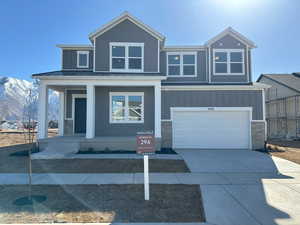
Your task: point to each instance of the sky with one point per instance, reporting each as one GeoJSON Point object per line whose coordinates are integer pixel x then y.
{"type": "Point", "coordinates": [30, 29]}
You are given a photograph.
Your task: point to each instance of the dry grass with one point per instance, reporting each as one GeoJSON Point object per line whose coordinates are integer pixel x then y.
{"type": "Point", "coordinates": [289, 150]}
{"type": "Point", "coordinates": [16, 137]}
{"type": "Point", "coordinates": [103, 203]}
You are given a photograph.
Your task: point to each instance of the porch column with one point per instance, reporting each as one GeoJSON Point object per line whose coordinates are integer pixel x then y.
{"type": "Point", "coordinates": [90, 111]}
{"type": "Point", "coordinates": [43, 111]}
{"type": "Point", "coordinates": [157, 100]}
{"type": "Point", "coordinates": [61, 113]}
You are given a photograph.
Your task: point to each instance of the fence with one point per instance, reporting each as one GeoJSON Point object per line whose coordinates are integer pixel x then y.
{"type": "Point", "coordinates": [283, 118]}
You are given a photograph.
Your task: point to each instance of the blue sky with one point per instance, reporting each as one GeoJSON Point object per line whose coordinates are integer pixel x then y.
{"type": "Point", "coordinates": [30, 29]}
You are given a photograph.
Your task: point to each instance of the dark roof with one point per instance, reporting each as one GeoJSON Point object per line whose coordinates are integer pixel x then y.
{"type": "Point", "coordinates": [187, 83]}
{"type": "Point", "coordinates": [91, 73]}
{"type": "Point", "coordinates": [291, 81]}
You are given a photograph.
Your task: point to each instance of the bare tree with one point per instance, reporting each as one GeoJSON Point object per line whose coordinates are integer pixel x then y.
{"type": "Point", "coordinates": [29, 124]}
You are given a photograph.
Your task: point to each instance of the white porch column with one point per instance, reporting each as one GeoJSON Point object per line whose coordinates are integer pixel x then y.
{"type": "Point", "coordinates": [61, 113]}
{"type": "Point", "coordinates": [157, 100]}
{"type": "Point", "coordinates": [43, 111]}
{"type": "Point", "coordinates": [90, 111]}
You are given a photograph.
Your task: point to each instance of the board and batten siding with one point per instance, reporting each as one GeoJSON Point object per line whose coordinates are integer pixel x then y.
{"type": "Point", "coordinates": [69, 60]}
{"type": "Point", "coordinates": [104, 128]}
{"type": "Point", "coordinates": [201, 68]}
{"type": "Point", "coordinates": [126, 31]}
{"type": "Point", "coordinates": [229, 42]}
{"type": "Point", "coordinates": [217, 98]}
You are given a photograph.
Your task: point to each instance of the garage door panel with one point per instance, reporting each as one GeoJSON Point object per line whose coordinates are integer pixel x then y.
{"type": "Point", "coordinates": [211, 129]}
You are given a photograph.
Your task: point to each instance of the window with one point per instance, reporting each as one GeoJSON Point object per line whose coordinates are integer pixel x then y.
{"type": "Point", "coordinates": [228, 62]}
{"type": "Point", "coordinates": [126, 107]}
{"type": "Point", "coordinates": [82, 59]}
{"type": "Point", "coordinates": [127, 57]}
{"type": "Point", "coordinates": [181, 64]}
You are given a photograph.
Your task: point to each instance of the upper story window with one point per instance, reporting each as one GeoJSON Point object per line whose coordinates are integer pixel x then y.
{"type": "Point", "coordinates": [82, 59]}
{"type": "Point", "coordinates": [126, 57]}
{"type": "Point", "coordinates": [181, 64]}
{"type": "Point", "coordinates": [228, 61]}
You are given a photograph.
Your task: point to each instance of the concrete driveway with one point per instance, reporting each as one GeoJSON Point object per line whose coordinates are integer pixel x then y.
{"type": "Point", "coordinates": [259, 189]}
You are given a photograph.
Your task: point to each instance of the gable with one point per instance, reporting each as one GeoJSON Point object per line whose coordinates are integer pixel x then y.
{"type": "Point", "coordinates": [228, 41]}
{"type": "Point", "coordinates": [126, 31]}
{"type": "Point", "coordinates": [120, 19]}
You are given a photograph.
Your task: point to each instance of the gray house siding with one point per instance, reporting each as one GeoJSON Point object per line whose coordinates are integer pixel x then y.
{"type": "Point", "coordinates": [126, 31]}
{"type": "Point", "coordinates": [69, 60]}
{"type": "Point", "coordinates": [104, 128]}
{"type": "Point", "coordinates": [201, 68]}
{"type": "Point", "coordinates": [216, 98]}
{"type": "Point", "coordinates": [229, 42]}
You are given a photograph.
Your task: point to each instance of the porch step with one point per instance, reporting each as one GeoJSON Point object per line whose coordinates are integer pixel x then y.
{"type": "Point", "coordinates": [56, 150]}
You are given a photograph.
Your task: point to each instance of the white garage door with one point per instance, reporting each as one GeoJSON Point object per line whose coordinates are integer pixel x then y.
{"type": "Point", "coordinates": [211, 129]}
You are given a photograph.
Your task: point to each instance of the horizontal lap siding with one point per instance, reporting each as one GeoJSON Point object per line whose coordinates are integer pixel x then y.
{"type": "Point", "coordinates": [212, 99]}
{"type": "Point", "coordinates": [69, 61]}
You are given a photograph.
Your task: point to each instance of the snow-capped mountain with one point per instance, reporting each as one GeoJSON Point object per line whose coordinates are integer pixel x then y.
{"type": "Point", "coordinates": [13, 94]}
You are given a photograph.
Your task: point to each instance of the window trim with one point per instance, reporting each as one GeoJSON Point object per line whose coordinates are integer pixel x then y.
{"type": "Point", "coordinates": [126, 94]}
{"type": "Point", "coordinates": [228, 62]}
{"type": "Point", "coordinates": [126, 45]}
{"type": "Point", "coordinates": [87, 53]}
{"type": "Point", "coordinates": [181, 54]}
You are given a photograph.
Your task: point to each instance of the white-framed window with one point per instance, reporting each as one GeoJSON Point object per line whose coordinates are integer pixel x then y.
{"type": "Point", "coordinates": [181, 64]}
{"type": "Point", "coordinates": [126, 107]}
{"type": "Point", "coordinates": [229, 62]}
{"type": "Point", "coordinates": [126, 57]}
{"type": "Point", "coordinates": [83, 59]}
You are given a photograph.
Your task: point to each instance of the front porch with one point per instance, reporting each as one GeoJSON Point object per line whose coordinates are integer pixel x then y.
{"type": "Point", "coordinates": [91, 119]}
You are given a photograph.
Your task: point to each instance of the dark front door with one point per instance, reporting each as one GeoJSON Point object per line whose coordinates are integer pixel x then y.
{"type": "Point", "coordinates": [80, 115]}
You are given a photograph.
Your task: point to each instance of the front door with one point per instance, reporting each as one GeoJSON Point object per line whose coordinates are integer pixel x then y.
{"type": "Point", "coordinates": [80, 116]}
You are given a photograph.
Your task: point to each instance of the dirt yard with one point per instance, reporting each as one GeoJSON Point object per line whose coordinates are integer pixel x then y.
{"type": "Point", "coordinates": [289, 150]}
{"type": "Point", "coordinates": [15, 137]}
{"type": "Point", "coordinates": [103, 203]}
{"type": "Point", "coordinates": [11, 161]}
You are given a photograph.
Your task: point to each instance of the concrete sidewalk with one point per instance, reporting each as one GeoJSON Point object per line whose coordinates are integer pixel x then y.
{"type": "Point", "coordinates": [155, 178]}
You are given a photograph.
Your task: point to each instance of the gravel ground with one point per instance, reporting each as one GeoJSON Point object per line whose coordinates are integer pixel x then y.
{"type": "Point", "coordinates": [103, 203]}
{"type": "Point", "coordinates": [19, 164]}
{"type": "Point", "coordinates": [289, 150]}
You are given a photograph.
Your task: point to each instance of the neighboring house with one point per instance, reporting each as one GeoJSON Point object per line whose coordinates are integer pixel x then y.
{"type": "Point", "coordinates": [128, 81]}
{"type": "Point", "coordinates": [282, 105]}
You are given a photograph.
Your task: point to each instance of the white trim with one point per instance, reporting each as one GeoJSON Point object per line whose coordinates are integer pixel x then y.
{"type": "Point", "coordinates": [184, 48]}
{"type": "Point", "coordinates": [233, 33]}
{"type": "Point", "coordinates": [100, 78]}
{"type": "Point", "coordinates": [61, 113]}
{"type": "Point", "coordinates": [247, 64]}
{"type": "Point", "coordinates": [43, 111]}
{"type": "Point", "coordinates": [74, 96]}
{"type": "Point", "coordinates": [219, 109]}
{"type": "Point", "coordinates": [94, 55]}
{"type": "Point", "coordinates": [166, 120]}
{"type": "Point", "coordinates": [158, 56]}
{"type": "Point", "coordinates": [120, 19]}
{"type": "Point", "coordinates": [75, 47]}
{"type": "Point", "coordinates": [126, 95]}
{"type": "Point", "coordinates": [90, 111]}
{"type": "Point", "coordinates": [209, 65]}
{"type": "Point", "coordinates": [157, 112]}
{"type": "Point", "coordinates": [228, 62]}
{"type": "Point", "coordinates": [87, 53]}
{"type": "Point", "coordinates": [126, 45]}
{"type": "Point", "coordinates": [212, 87]}
{"type": "Point", "coordinates": [181, 65]}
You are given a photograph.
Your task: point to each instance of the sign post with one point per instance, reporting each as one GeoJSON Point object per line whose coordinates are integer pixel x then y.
{"type": "Point", "coordinates": [145, 146]}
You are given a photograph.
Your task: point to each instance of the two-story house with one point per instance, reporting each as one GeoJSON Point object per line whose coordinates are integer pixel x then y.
{"type": "Point", "coordinates": [127, 80]}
